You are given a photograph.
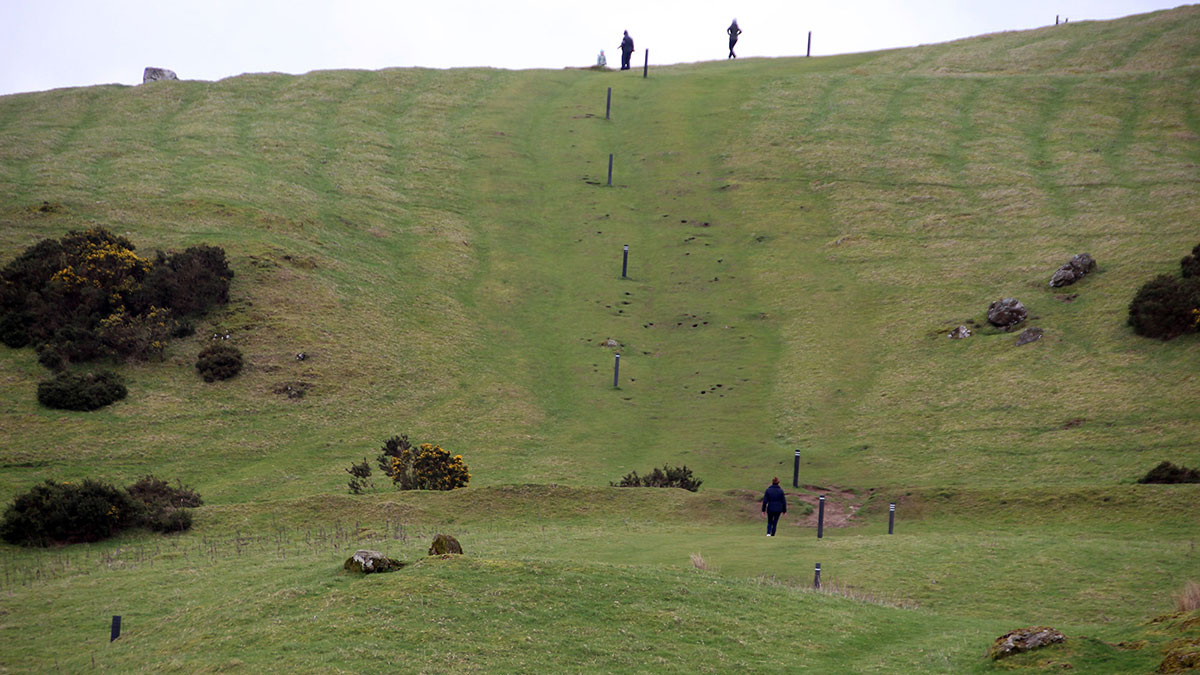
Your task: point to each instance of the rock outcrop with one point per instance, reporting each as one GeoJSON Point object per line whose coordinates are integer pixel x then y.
{"type": "Point", "coordinates": [444, 544]}
{"type": "Point", "coordinates": [1031, 334]}
{"type": "Point", "coordinates": [1023, 640]}
{"type": "Point", "coordinates": [152, 74]}
{"type": "Point", "coordinates": [1073, 270]}
{"type": "Point", "coordinates": [1006, 313]}
{"type": "Point", "coordinates": [365, 561]}
{"type": "Point", "coordinates": [960, 333]}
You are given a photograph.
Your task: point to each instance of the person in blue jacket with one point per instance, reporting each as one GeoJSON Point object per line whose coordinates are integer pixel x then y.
{"type": "Point", "coordinates": [626, 50]}
{"type": "Point", "coordinates": [774, 504]}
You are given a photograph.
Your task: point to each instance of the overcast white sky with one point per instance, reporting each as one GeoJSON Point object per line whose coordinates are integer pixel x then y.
{"type": "Point", "coordinates": [46, 44]}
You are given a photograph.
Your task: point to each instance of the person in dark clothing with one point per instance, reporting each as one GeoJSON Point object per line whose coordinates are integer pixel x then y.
{"type": "Point", "coordinates": [734, 32]}
{"type": "Point", "coordinates": [626, 50]}
{"type": "Point", "coordinates": [774, 504]}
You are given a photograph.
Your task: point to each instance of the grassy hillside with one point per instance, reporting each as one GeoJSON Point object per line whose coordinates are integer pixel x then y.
{"type": "Point", "coordinates": [803, 233]}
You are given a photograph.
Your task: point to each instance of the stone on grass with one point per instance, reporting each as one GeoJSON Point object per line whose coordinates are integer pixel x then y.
{"type": "Point", "coordinates": [960, 333]}
{"type": "Point", "coordinates": [1006, 312]}
{"type": "Point", "coordinates": [444, 544]}
{"type": "Point", "coordinates": [1031, 334]}
{"type": "Point", "coordinates": [152, 74]}
{"type": "Point", "coordinates": [1023, 640]}
{"type": "Point", "coordinates": [1073, 270]}
{"type": "Point", "coordinates": [365, 561]}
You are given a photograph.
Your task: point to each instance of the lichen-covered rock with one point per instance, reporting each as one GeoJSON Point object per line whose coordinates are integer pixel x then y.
{"type": "Point", "coordinates": [1023, 640]}
{"type": "Point", "coordinates": [365, 561]}
{"type": "Point", "coordinates": [1073, 270]}
{"type": "Point", "coordinates": [444, 544]}
{"type": "Point", "coordinates": [1006, 312]}
{"type": "Point", "coordinates": [1031, 334]}
{"type": "Point", "coordinates": [1180, 655]}
{"type": "Point", "coordinates": [960, 333]}
{"type": "Point", "coordinates": [152, 74]}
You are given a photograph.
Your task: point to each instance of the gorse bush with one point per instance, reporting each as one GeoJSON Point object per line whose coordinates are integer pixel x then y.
{"type": "Point", "coordinates": [425, 467]}
{"type": "Point", "coordinates": [89, 294]}
{"type": "Point", "coordinates": [219, 361]}
{"type": "Point", "coordinates": [65, 513]}
{"type": "Point", "coordinates": [1190, 265]}
{"type": "Point", "coordinates": [1166, 307]}
{"type": "Point", "coordinates": [679, 476]}
{"type": "Point", "coordinates": [68, 512]}
{"type": "Point", "coordinates": [81, 391]}
{"type": "Point", "coordinates": [163, 507]}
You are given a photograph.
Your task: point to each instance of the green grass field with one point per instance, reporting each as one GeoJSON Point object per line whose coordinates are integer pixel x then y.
{"type": "Point", "coordinates": [803, 234]}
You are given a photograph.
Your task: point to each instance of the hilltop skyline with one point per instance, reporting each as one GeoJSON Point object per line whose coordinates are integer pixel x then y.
{"type": "Point", "coordinates": [68, 43]}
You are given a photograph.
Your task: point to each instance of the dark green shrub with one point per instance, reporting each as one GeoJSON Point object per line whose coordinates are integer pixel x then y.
{"type": "Point", "coordinates": [63, 513]}
{"type": "Point", "coordinates": [1167, 472]}
{"type": "Point", "coordinates": [189, 283]}
{"type": "Point", "coordinates": [14, 328]}
{"type": "Point", "coordinates": [392, 448]}
{"type": "Point", "coordinates": [679, 476]}
{"type": "Point", "coordinates": [158, 493]}
{"type": "Point", "coordinates": [360, 477]}
{"type": "Point", "coordinates": [219, 361]}
{"type": "Point", "coordinates": [163, 507]}
{"type": "Point", "coordinates": [1166, 307]}
{"type": "Point", "coordinates": [81, 391]}
{"type": "Point", "coordinates": [137, 337]}
{"type": "Point", "coordinates": [1190, 265]}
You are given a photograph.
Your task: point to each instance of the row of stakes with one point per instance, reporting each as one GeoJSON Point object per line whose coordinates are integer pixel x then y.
{"type": "Point", "coordinates": [617, 379]}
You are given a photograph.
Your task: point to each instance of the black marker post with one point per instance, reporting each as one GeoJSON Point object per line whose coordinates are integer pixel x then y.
{"type": "Point", "coordinates": [646, 66]}
{"type": "Point", "coordinates": [821, 517]}
{"type": "Point", "coordinates": [616, 370]}
{"type": "Point", "coordinates": [796, 470]}
{"type": "Point", "coordinates": [625, 262]}
{"type": "Point", "coordinates": [608, 103]}
{"type": "Point", "coordinates": [891, 517]}
{"type": "Point", "coordinates": [817, 577]}
{"type": "Point", "coordinates": [610, 169]}
{"type": "Point", "coordinates": [116, 627]}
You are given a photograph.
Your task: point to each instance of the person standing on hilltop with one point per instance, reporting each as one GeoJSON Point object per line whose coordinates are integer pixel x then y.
{"type": "Point", "coordinates": [626, 50]}
{"type": "Point", "coordinates": [774, 504]}
{"type": "Point", "coordinates": [734, 32]}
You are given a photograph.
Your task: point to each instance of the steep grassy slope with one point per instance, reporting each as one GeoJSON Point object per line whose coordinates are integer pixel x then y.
{"type": "Point", "coordinates": [803, 234]}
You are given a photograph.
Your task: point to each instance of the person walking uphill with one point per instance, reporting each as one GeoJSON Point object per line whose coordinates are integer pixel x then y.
{"type": "Point", "coordinates": [734, 32]}
{"type": "Point", "coordinates": [626, 50]}
{"type": "Point", "coordinates": [774, 504]}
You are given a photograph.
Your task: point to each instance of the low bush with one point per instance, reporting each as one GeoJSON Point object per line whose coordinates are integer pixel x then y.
{"type": "Point", "coordinates": [64, 513]}
{"type": "Point", "coordinates": [679, 476]}
{"type": "Point", "coordinates": [189, 283]}
{"type": "Point", "coordinates": [137, 336]}
{"type": "Point", "coordinates": [427, 467]}
{"type": "Point", "coordinates": [1166, 307]}
{"type": "Point", "coordinates": [81, 391]}
{"type": "Point", "coordinates": [360, 477]}
{"type": "Point", "coordinates": [1190, 265]}
{"type": "Point", "coordinates": [1167, 472]}
{"type": "Point", "coordinates": [219, 361]}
